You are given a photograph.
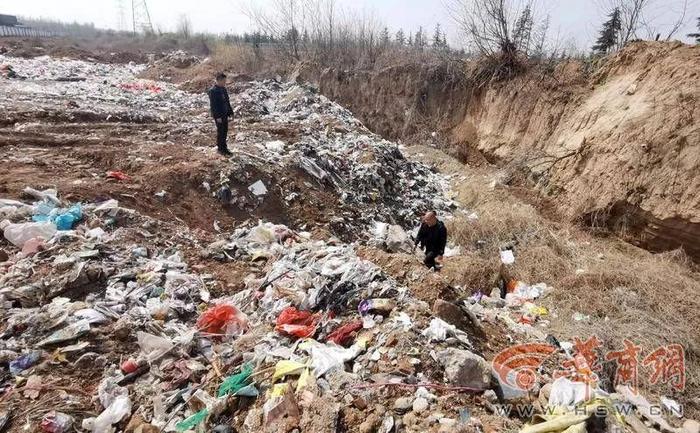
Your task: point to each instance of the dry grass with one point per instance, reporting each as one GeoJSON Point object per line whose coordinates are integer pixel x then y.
{"type": "Point", "coordinates": [650, 299]}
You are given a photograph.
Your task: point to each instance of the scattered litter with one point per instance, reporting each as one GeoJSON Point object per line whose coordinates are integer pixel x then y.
{"type": "Point", "coordinates": [118, 175]}
{"type": "Point", "coordinates": [258, 188]}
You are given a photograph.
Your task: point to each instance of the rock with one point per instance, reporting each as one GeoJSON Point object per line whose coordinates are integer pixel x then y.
{"type": "Point", "coordinates": [360, 403]}
{"type": "Point", "coordinates": [411, 419]}
{"type": "Point", "coordinates": [86, 360]}
{"type": "Point", "coordinates": [397, 240]}
{"type": "Point", "coordinates": [420, 405]}
{"type": "Point", "coordinates": [490, 395]}
{"type": "Point", "coordinates": [322, 416]}
{"type": "Point", "coordinates": [222, 429]}
{"type": "Point", "coordinates": [691, 426]}
{"type": "Point", "coordinates": [464, 368]}
{"type": "Point", "coordinates": [451, 314]}
{"type": "Point", "coordinates": [123, 328]}
{"type": "Point", "coordinates": [253, 421]}
{"type": "Point", "coordinates": [135, 422]}
{"type": "Point", "coordinates": [370, 424]}
{"type": "Point", "coordinates": [3, 256]}
{"type": "Point", "coordinates": [403, 404]}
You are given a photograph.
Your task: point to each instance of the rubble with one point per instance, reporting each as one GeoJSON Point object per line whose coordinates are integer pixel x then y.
{"type": "Point", "coordinates": [466, 369]}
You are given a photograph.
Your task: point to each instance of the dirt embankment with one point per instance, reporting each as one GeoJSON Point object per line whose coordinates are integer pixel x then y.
{"type": "Point", "coordinates": [617, 149]}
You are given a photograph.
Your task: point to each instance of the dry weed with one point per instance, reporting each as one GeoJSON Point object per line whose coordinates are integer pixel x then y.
{"type": "Point", "coordinates": [650, 299]}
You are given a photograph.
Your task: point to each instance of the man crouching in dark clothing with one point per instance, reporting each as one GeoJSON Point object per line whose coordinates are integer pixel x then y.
{"type": "Point", "coordinates": [432, 236]}
{"type": "Point", "coordinates": [221, 111]}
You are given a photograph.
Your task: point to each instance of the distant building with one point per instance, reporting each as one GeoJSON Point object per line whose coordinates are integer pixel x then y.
{"type": "Point", "coordinates": [8, 20]}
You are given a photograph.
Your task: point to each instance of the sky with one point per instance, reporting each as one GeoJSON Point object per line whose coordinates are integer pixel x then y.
{"type": "Point", "coordinates": [572, 20]}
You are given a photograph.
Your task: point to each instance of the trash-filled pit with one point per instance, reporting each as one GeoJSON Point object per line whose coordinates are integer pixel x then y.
{"type": "Point", "coordinates": [147, 285]}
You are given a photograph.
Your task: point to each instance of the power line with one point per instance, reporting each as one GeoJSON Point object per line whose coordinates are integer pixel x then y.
{"type": "Point", "coordinates": [141, 19]}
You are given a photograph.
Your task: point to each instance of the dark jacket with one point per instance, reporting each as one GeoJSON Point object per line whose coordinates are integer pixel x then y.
{"type": "Point", "coordinates": [219, 102]}
{"type": "Point", "coordinates": [433, 239]}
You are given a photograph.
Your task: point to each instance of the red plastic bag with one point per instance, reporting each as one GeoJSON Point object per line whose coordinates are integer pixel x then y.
{"type": "Point", "coordinates": [345, 334]}
{"type": "Point", "coordinates": [300, 324]}
{"type": "Point", "coordinates": [223, 320]}
{"type": "Point", "coordinates": [118, 175]}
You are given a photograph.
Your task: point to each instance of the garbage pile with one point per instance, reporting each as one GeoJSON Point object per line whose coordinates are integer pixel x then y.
{"type": "Point", "coordinates": [48, 82]}
{"type": "Point", "coordinates": [169, 356]}
{"type": "Point", "coordinates": [316, 336]}
{"type": "Point", "coordinates": [178, 59]}
{"type": "Point", "coordinates": [115, 321]}
{"type": "Point", "coordinates": [370, 177]}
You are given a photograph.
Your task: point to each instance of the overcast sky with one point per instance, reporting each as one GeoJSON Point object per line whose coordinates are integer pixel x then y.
{"type": "Point", "coordinates": [578, 20]}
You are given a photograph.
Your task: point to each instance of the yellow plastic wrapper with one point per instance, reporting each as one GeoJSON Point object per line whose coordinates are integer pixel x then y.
{"type": "Point", "coordinates": [287, 368]}
{"type": "Point", "coordinates": [279, 390]}
{"type": "Point", "coordinates": [303, 379]}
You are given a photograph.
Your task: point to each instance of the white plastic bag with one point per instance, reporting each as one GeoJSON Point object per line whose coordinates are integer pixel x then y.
{"type": "Point", "coordinates": [120, 408]}
{"type": "Point", "coordinates": [18, 234]}
{"type": "Point", "coordinates": [568, 394]}
{"type": "Point", "coordinates": [153, 346]}
{"type": "Point", "coordinates": [326, 357]}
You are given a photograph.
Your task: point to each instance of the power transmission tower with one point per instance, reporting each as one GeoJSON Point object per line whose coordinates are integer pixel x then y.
{"type": "Point", "coordinates": [121, 15]}
{"type": "Point", "coordinates": [140, 16]}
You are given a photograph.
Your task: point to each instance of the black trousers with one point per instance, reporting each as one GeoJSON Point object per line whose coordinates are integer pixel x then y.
{"type": "Point", "coordinates": [430, 259]}
{"type": "Point", "coordinates": [222, 133]}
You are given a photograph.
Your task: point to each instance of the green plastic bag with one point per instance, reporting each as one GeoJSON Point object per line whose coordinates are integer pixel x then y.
{"type": "Point", "coordinates": [233, 383]}
{"type": "Point", "coordinates": [193, 421]}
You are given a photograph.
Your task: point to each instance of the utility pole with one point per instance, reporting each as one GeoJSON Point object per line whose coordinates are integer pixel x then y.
{"type": "Point", "coordinates": [121, 16]}
{"type": "Point", "coordinates": [141, 18]}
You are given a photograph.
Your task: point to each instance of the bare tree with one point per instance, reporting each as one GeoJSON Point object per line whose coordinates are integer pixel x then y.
{"type": "Point", "coordinates": [656, 32]}
{"type": "Point", "coordinates": [495, 27]}
{"type": "Point", "coordinates": [184, 26]}
{"type": "Point", "coordinates": [281, 20]}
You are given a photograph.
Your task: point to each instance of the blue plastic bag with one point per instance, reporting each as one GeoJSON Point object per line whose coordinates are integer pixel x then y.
{"type": "Point", "coordinates": [64, 219]}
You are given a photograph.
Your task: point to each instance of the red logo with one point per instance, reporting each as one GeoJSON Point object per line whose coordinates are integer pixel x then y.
{"type": "Point", "coordinates": [517, 366]}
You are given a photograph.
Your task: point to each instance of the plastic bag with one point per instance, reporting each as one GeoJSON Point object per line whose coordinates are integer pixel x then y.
{"type": "Point", "coordinates": [63, 218]}
{"type": "Point", "coordinates": [153, 346]}
{"type": "Point", "coordinates": [344, 335]}
{"type": "Point", "coordinates": [120, 408]}
{"type": "Point", "coordinates": [70, 332]}
{"type": "Point", "coordinates": [25, 361]}
{"type": "Point", "coordinates": [56, 422]}
{"type": "Point", "coordinates": [326, 357]}
{"type": "Point", "coordinates": [18, 234]}
{"type": "Point", "coordinates": [66, 220]}
{"type": "Point", "coordinates": [193, 421]}
{"type": "Point", "coordinates": [379, 305]}
{"type": "Point", "coordinates": [568, 394]}
{"type": "Point", "coordinates": [222, 320]}
{"type": "Point", "coordinates": [300, 324]}
{"type": "Point", "coordinates": [233, 384]}
{"type": "Point", "coordinates": [287, 368]}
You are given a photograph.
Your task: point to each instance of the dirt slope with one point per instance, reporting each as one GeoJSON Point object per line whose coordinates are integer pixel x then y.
{"type": "Point", "coordinates": [619, 149]}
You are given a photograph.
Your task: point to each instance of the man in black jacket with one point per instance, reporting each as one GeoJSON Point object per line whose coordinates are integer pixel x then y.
{"type": "Point", "coordinates": [221, 111]}
{"type": "Point", "coordinates": [432, 236]}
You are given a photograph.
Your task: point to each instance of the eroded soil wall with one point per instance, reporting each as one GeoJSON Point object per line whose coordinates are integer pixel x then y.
{"type": "Point", "coordinates": [618, 147]}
